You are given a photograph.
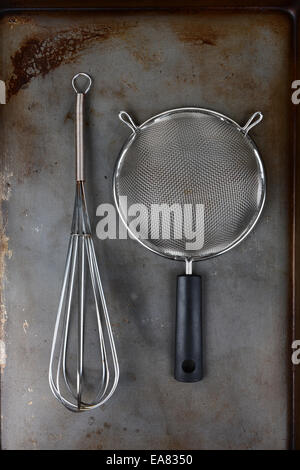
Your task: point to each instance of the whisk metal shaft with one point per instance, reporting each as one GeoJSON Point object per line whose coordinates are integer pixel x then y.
{"type": "Point", "coordinates": [79, 138]}
{"type": "Point", "coordinates": [81, 259]}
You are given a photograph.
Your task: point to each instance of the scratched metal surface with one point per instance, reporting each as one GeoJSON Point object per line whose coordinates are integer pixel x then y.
{"type": "Point", "coordinates": [144, 63]}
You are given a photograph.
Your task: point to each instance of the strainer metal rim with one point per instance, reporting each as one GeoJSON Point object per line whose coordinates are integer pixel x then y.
{"type": "Point", "coordinates": [170, 112]}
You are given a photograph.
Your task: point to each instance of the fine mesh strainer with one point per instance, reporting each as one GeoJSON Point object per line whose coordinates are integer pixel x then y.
{"type": "Point", "coordinates": [189, 184]}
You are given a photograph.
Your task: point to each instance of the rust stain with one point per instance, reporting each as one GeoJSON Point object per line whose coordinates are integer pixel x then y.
{"type": "Point", "coordinates": [17, 20]}
{"type": "Point", "coordinates": [38, 56]}
{"type": "Point", "coordinates": [194, 30]}
{"type": "Point", "coordinates": [196, 34]}
{"type": "Point", "coordinates": [118, 93]}
{"type": "Point", "coordinates": [32, 442]}
{"type": "Point", "coordinates": [146, 58]}
{"type": "Point", "coordinates": [68, 116]}
{"type": "Point", "coordinates": [130, 85]}
{"type": "Point", "coordinates": [176, 443]}
{"type": "Point", "coordinates": [131, 376]}
{"type": "Point", "coordinates": [93, 442]}
{"type": "Point", "coordinates": [31, 168]}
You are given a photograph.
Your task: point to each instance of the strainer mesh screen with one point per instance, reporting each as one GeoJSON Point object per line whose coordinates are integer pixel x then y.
{"type": "Point", "coordinates": [189, 159]}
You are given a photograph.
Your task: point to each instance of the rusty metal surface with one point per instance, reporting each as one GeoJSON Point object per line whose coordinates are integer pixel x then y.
{"type": "Point", "coordinates": [235, 63]}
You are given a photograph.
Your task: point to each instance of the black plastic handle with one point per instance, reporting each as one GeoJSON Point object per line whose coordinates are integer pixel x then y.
{"type": "Point", "coordinates": [188, 343]}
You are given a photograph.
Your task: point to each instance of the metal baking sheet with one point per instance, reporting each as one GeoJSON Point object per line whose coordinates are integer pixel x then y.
{"type": "Point", "coordinates": [145, 62]}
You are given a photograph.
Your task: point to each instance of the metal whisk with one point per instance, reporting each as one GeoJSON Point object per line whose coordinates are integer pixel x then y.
{"type": "Point", "coordinates": [82, 380]}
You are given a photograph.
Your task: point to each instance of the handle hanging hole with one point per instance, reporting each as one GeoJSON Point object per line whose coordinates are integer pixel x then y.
{"type": "Point", "coordinates": [124, 117]}
{"type": "Point", "coordinates": [253, 121]}
{"type": "Point", "coordinates": [188, 366]}
{"type": "Point", "coordinates": [81, 85]}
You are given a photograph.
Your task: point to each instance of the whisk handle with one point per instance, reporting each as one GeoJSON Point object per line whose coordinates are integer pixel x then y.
{"type": "Point", "coordinates": [188, 343]}
{"type": "Point", "coordinates": [80, 89]}
{"type": "Point", "coordinates": [79, 137]}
